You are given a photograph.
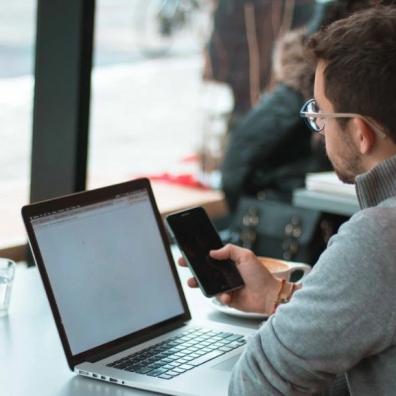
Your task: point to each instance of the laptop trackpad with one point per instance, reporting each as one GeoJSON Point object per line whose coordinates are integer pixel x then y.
{"type": "Point", "coordinates": [228, 364]}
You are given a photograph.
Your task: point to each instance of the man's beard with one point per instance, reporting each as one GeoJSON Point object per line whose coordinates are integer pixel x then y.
{"type": "Point", "coordinates": [345, 175]}
{"type": "Point", "coordinates": [347, 165]}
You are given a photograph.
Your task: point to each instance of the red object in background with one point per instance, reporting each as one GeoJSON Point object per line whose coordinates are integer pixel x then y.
{"type": "Point", "coordinates": [190, 158]}
{"type": "Point", "coordinates": [185, 179]}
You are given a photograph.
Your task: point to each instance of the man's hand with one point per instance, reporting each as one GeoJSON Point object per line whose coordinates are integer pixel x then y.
{"type": "Point", "coordinates": [261, 288]}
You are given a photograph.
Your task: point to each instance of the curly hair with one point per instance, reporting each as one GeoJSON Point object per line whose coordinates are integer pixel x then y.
{"type": "Point", "coordinates": [289, 64]}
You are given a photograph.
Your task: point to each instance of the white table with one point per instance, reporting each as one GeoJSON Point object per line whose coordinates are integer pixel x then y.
{"type": "Point", "coordinates": [32, 361]}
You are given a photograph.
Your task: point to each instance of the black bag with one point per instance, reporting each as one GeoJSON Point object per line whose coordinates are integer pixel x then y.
{"type": "Point", "coordinates": [278, 229]}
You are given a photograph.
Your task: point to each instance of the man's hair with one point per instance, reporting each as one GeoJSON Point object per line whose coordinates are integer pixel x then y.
{"type": "Point", "coordinates": [359, 53]}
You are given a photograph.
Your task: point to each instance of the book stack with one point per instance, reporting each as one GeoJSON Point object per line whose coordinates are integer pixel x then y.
{"type": "Point", "coordinates": [328, 182]}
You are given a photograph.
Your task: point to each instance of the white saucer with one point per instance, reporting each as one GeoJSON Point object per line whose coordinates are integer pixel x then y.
{"type": "Point", "coordinates": [235, 312]}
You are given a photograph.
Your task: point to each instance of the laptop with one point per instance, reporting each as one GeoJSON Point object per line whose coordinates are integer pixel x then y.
{"type": "Point", "coordinates": [118, 304]}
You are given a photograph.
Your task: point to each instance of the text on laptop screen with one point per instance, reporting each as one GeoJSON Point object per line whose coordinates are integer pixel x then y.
{"type": "Point", "coordinates": [108, 269]}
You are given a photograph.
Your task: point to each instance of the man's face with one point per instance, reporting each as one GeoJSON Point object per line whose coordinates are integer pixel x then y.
{"type": "Point", "coordinates": [340, 148]}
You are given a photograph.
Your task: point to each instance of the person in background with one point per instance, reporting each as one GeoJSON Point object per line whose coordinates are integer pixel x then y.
{"type": "Point", "coordinates": [240, 47]}
{"type": "Point", "coordinates": [271, 150]}
{"type": "Point", "coordinates": [341, 318]}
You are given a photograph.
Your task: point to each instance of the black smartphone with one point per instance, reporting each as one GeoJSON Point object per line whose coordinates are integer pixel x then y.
{"type": "Point", "coordinates": [196, 236]}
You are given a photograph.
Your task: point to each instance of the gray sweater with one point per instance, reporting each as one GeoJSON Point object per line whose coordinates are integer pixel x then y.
{"type": "Point", "coordinates": [343, 320]}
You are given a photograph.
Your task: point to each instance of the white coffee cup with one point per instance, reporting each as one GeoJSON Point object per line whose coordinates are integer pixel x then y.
{"type": "Point", "coordinates": [289, 270]}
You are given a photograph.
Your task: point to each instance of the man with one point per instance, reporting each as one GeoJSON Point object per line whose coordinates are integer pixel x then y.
{"type": "Point", "coordinates": [342, 318]}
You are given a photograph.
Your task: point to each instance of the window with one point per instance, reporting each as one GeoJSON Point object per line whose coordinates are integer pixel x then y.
{"type": "Point", "coordinates": [17, 34]}
{"type": "Point", "coordinates": [150, 108]}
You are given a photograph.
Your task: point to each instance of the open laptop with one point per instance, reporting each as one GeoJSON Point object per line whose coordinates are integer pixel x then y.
{"type": "Point", "coordinates": [117, 301]}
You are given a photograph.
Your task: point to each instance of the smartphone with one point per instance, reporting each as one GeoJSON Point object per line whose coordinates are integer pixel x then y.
{"type": "Point", "coordinates": [196, 236]}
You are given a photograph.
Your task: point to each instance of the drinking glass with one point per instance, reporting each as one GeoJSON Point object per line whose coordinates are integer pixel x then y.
{"type": "Point", "coordinates": [7, 272]}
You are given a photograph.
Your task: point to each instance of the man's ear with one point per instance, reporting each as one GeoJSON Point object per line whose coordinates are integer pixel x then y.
{"type": "Point", "coordinates": [364, 136]}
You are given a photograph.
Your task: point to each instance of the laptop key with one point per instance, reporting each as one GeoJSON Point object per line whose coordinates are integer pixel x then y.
{"type": "Point", "coordinates": [143, 370]}
{"type": "Point", "coordinates": [235, 344]}
{"type": "Point", "coordinates": [154, 366]}
{"type": "Point", "coordinates": [211, 347]}
{"type": "Point", "coordinates": [188, 358]}
{"type": "Point", "coordinates": [132, 369]}
{"type": "Point", "coordinates": [172, 373]}
{"type": "Point", "coordinates": [225, 349]}
{"type": "Point", "coordinates": [178, 348]}
{"type": "Point", "coordinates": [164, 361]}
{"type": "Point", "coordinates": [225, 335]}
{"type": "Point", "coordinates": [205, 358]}
{"type": "Point", "coordinates": [165, 376]}
{"type": "Point", "coordinates": [167, 360]}
{"type": "Point", "coordinates": [121, 365]}
{"type": "Point", "coordinates": [179, 370]}
{"type": "Point", "coordinates": [157, 372]}
{"type": "Point", "coordinates": [233, 337]}
{"type": "Point", "coordinates": [169, 366]}
{"type": "Point", "coordinates": [186, 366]}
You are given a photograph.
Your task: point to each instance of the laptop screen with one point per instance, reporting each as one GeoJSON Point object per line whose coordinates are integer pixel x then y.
{"type": "Point", "coordinates": [108, 268]}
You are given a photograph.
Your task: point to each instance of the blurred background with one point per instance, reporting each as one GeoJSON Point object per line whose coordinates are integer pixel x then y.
{"type": "Point", "coordinates": [163, 94]}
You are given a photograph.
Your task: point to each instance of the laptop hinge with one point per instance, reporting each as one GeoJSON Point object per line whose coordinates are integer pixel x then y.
{"type": "Point", "coordinates": [136, 341]}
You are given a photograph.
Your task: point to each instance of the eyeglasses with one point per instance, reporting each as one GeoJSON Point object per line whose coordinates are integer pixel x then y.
{"type": "Point", "coordinates": [316, 120]}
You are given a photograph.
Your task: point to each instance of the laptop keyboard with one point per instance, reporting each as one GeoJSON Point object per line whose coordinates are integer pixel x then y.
{"type": "Point", "coordinates": [181, 353]}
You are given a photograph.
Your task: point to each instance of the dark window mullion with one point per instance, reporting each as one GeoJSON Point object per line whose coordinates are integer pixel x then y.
{"type": "Point", "coordinates": [61, 97]}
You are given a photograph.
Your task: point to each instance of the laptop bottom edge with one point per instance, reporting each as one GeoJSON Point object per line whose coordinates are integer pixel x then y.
{"type": "Point", "coordinates": [209, 378]}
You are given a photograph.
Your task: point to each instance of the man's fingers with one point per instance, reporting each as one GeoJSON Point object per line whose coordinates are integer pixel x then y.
{"type": "Point", "coordinates": [221, 254]}
{"type": "Point", "coordinates": [182, 262]}
{"type": "Point", "coordinates": [192, 282]}
{"type": "Point", "coordinates": [225, 298]}
{"type": "Point", "coordinates": [233, 252]}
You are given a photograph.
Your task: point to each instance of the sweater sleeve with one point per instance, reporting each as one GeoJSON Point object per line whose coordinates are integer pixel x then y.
{"type": "Point", "coordinates": [341, 315]}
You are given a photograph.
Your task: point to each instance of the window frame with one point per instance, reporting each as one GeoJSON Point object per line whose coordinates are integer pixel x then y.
{"type": "Point", "coordinates": [61, 105]}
